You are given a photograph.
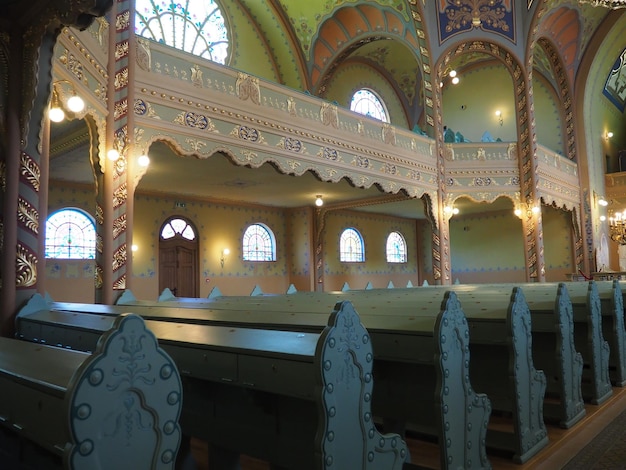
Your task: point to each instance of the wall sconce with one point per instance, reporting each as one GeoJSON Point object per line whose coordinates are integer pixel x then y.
{"type": "Point", "coordinates": [134, 248]}
{"type": "Point", "coordinates": [454, 79]}
{"type": "Point", "coordinates": [74, 103]}
{"type": "Point", "coordinates": [608, 135]}
{"type": "Point", "coordinates": [535, 210]}
{"type": "Point", "coordinates": [599, 200]}
{"type": "Point", "coordinates": [319, 202]}
{"type": "Point", "coordinates": [518, 212]}
{"type": "Point", "coordinates": [225, 253]}
{"type": "Point", "coordinates": [499, 116]}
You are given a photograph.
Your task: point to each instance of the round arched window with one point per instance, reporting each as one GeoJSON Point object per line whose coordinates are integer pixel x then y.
{"type": "Point", "coordinates": [366, 102]}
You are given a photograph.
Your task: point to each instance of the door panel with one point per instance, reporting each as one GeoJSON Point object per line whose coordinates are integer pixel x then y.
{"type": "Point", "coordinates": [187, 274]}
{"type": "Point", "coordinates": [167, 268]}
{"type": "Point", "coordinates": [178, 267]}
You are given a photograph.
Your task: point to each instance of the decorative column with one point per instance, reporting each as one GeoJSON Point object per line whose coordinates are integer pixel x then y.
{"type": "Point", "coordinates": [113, 204]}
{"type": "Point", "coordinates": [26, 47]}
{"type": "Point", "coordinates": [440, 243]}
{"type": "Point", "coordinates": [532, 224]}
{"type": "Point", "coordinates": [319, 222]}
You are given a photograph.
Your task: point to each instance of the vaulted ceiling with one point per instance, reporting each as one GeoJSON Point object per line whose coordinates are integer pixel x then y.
{"type": "Point", "coordinates": [310, 40]}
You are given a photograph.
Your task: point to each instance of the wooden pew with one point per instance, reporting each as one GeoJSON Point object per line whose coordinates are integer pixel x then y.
{"type": "Point", "coordinates": [613, 329]}
{"type": "Point", "coordinates": [522, 439]}
{"type": "Point", "coordinates": [297, 400]}
{"type": "Point", "coordinates": [554, 352]}
{"type": "Point", "coordinates": [588, 337]}
{"type": "Point", "coordinates": [553, 345]}
{"type": "Point", "coordinates": [65, 409]}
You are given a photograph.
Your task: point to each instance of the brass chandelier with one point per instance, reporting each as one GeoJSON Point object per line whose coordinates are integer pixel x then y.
{"type": "Point", "coordinates": [617, 227]}
{"type": "Point", "coordinates": [612, 4]}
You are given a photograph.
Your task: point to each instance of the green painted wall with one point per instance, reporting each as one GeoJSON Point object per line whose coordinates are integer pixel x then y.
{"type": "Point", "coordinates": [350, 78]}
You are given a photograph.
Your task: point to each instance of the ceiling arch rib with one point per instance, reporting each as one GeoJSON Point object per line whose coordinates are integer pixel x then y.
{"type": "Point", "coordinates": [562, 27]}
{"type": "Point", "coordinates": [347, 29]}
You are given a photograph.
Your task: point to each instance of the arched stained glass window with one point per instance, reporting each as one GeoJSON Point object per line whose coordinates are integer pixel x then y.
{"type": "Point", "coordinates": [177, 226]}
{"type": "Point", "coordinates": [367, 102]}
{"type": "Point", "coordinates": [259, 243]}
{"type": "Point", "coordinates": [351, 246]}
{"type": "Point", "coordinates": [396, 248]}
{"type": "Point", "coordinates": [70, 234]}
{"type": "Point", "coordinates": [194, 26]}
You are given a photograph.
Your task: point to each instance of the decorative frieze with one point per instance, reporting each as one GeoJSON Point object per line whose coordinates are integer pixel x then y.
{"type": "Point", "coordinates": [249, 134]}
{"type": "Point", "coordinates": [194, 120]}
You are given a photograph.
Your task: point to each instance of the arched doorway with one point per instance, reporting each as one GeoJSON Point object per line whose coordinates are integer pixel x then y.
{"type": "Point", "coordinates": [178, 257]}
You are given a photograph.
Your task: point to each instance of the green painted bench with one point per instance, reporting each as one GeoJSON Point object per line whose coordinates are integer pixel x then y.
{"type": "Point", "coordinates": [118, 407]}
{"type": "Point", "coordinates": [295, 399]}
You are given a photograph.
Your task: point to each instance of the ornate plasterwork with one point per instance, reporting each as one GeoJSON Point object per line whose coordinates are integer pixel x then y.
{"type": "Point", "coordinates": [256, 134]}
{"type": "Point", "coordinates": [26, 267]}
{"type": "Point", "coordinates": [29, 171]}
{"type": "Point", "coordinates": [28, 215]}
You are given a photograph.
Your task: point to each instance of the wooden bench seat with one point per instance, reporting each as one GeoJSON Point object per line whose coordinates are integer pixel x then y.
{"type": "Point", "coordinates": [63, 409]}
{"type": "Point", "coordinates": [419, 372]}
{"type": "Point", "coordinates": [294, 399]}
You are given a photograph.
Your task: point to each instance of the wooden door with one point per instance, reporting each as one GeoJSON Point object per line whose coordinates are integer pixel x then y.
{"type": "Point", "coordinates": [178, 267]}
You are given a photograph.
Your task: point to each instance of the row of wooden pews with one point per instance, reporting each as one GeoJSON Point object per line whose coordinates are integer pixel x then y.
{"type": "Point", "coordinates": [499, 338]}
{"type": "Point", "coordinates": [426, 368]}
{"type": "Point", "coordinates": [561, 326]}
{"type": "Point", "coordinates": [117, 407]}
{"type": "Point", "coordinates": [259, 384]}
{"type": "Point", "coordinates": [524, 346]}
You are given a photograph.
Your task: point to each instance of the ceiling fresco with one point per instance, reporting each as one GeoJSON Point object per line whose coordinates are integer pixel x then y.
{"type": "Point", "coordinates": [306, 16]}
{"type": "Point", "coordinates": [493, 16]}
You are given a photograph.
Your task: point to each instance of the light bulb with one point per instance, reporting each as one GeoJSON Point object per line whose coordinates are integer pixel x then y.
{"type": "Point", "coordinates": [56, 114]}
{"type": "Point", "coordinates": [143, 160]}
{"type": "Point", "coordinates": [75, 104]}
{"type": "Point", "coordinates": [113, 155]}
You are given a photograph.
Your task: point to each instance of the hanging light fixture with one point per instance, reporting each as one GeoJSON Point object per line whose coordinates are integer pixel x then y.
{"type": "Point", "coordinates": [319, 202]}
{"type": "Point", "coordinates": [612, 4]}
{"type": "Point", "coordinates": [74, 103]}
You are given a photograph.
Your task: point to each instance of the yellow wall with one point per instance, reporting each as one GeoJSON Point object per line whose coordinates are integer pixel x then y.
{"type": "Point", "coordinates": [221, 226]}
{"type": "Point", "coordinates": [374, 229]}
{"type": "Point", "coordinates": [487, 248]}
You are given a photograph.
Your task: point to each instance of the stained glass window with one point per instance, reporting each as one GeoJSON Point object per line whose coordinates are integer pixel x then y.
{"type": "Point", "coordinates": [259, 243]}
{"type": "Point", "coordinates": [178, 227]}
{"type": "Point", "coordinates": [396, 248]}
{"type": "Point", "coordinates": [351, 246]}
{"type": "Point", "coordinates": [197, 26]}
{"type": "Point", "coordinates": [70, 234]}
{"type": "Point", "coordinates": [366, 102]}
